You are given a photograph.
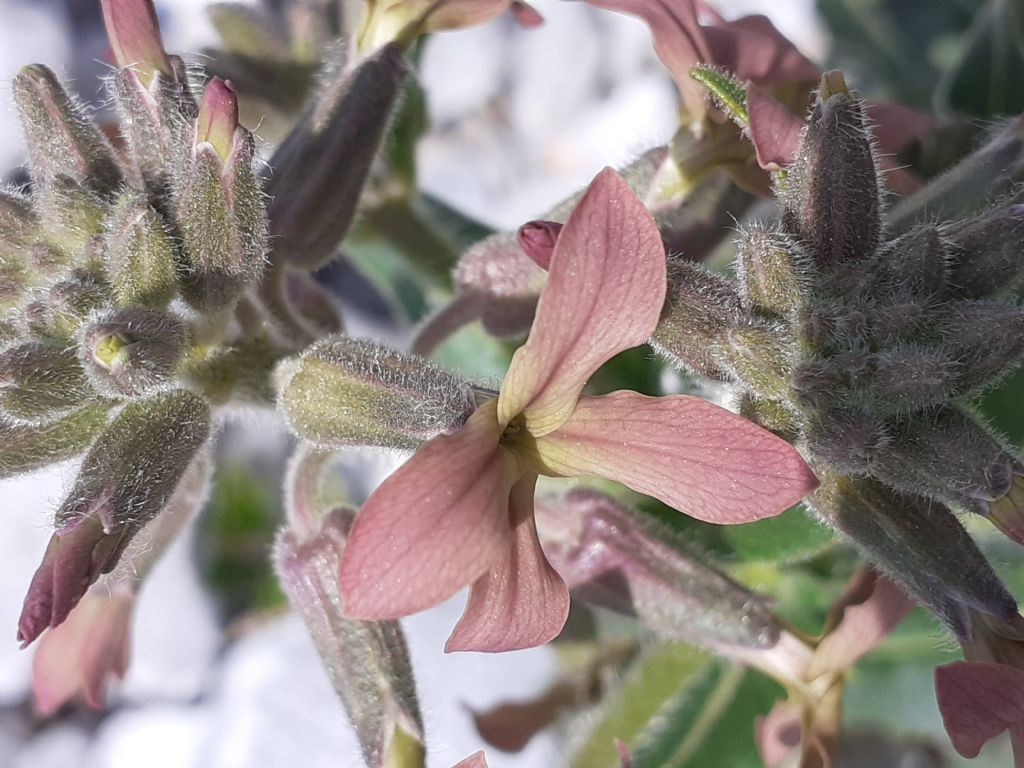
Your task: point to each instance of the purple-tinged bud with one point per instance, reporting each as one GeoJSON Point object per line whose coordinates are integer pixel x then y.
{"type": "Point", "coordinates": [700, 309]}
{"type": "Point", "coordinates": [222, 224]}
{"type": "Point", "coordinates": [26, 447]}
{"type": "Point", "coordinates": [919, 544]}
{"type": "Point", "coordinates": [914, 264]}
{"type": "Point", "coordinates": [367, 661]}
{"type": "Point", "coordinates": [62, 140]}
{"type": "Point", "coordinates": [631, 564]}
{"type": "Point", "coordinates": [132, 352]}
{"type": "Point", "coordinates": [126, 479]}
{"type": "Point", "coordinates": [140, 260]}
{"type": "Point", "coordinates": [134, 35]}
{"type": "Point", "coordinates": [831, 196]}
{"type": "Point", "coordinates": [537, 239]}
{"type": "Point", "coordinates": [768, 271]}
{"type": "Point", "coordinates": [985, 257]}
{"type": "Point", "coordinates": [944, 454]}
{"type": "Point", "coordinates": [218, 116]}
{"type": "Point", "coordinates": [344, 391]}
{"type": "Point", "coordinates": [846, 439]}
{"type": "Point", "coordinates": [910, 377]}
{"type": "Point", "coordinates": [320, 169]}
{"type": "Point", "coordinates": [41, 381]}
{"type": "Point", "coordinates": [985, 338]}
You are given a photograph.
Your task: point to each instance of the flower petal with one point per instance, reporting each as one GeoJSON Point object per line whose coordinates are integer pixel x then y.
{"type": "Point", "coordinates": [978, 701]}
{"type": "Point", "coordinates": [433, 526]}
{"type": "Point", "coordinates": [774, 131]}
{"type": "Point", "coordinates": [752, 49]}
{"type": "Point", "coordinates": [476, 760]}
{"type": "Point", "coordinates": [605, 291]}
{"type": "Point", "coordinates": [522, 601]}
{"type": "Point", "coordinates": [692, 455]}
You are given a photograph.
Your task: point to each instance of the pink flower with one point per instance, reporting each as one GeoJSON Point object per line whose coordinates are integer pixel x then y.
{"type": "Point", "coordinates": [78, 657]}
{"type": "Point", "coordinates": [134, 34]}
{"type": "Point", "coordinates": [460, 511]}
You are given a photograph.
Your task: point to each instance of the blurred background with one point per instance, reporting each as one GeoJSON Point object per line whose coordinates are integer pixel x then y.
{"type": "Point", "coordinates": [222, 675]}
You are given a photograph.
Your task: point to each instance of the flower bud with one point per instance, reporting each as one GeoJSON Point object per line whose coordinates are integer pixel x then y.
{"type": "Point", "coordinates": [985, 257]}
{"type": "Point", "coordinates": [944, 454]}
{"type": "Point", "coordinates": [61, 139]}
{"type": "Point", "coordinates": [56, 313]}
{"type": "Point", "coordinates": [627, 562]}
{"type": "Point", "coordinates": [537, 239]}
{"type": "Point", "coordinates": [831, 196]}
{"type": "Point", "coordinates": [917, 542]}
{"type": "Point", "coordinates": [126, 479]}
{"type": "Point", "coordinates": [132, 352]}
{"type": "Point", "coordinates": [501, 283]}
{"type": "Point", "coordinates": [759, 355]}
{"type": "Point", "coordinates": [27, 447]}
{"type": "Point", "coordinates": [223, 224]}
{"type": "Point", "coordinates": [767, 272]}
{"type": "Point", "coordinates": [140, 257]}
{"type": "Point", "coordinates": [700, 308]}
{"type": "Point", "coordinates": [985, 338]}
{"type": "Point", "coordinates": [218, 117]}
{"type": "Point", "coordinates": [320, 169]}
{"type": "Point", "coordinates": [71, 216]}
{"type": "Point", "coordinates": [19, 229]}
{"type": "Point", "coordinates": [914, 264]}
{"type": "Point", "coordinates": [134, 34]}
{"type": "Point", "coordinates": [344, 391]}
{"type": "Point", "coordinates": [41, 381]}
{"type": "Point", "coordinates": [846, 438]}
{"type": "Point", "coordinates": [908, 378]}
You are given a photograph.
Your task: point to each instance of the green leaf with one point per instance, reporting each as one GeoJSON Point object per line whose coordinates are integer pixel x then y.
{"type": "Point", "coordinates": [794, 535]}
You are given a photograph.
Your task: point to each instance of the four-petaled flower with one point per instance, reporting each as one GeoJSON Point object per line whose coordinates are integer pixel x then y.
{"type": "Point", "coordinates": [460, 511]}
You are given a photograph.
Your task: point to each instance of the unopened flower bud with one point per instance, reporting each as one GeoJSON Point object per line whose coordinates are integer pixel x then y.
{"type": "Point", "coordinates": [223, 224]}
{"type": "Point", "coordinates": [985, 257]}
{"type": "Point", "coordinates": [846, 438]}
{"type": "Point", "coordinates": [768, 275]}
{"type": "Point", "coordinates": [126, 479]}
{"type": "Point", "coordinates": [503, 283]}
{"type": "Point", "coordinates": [629, 563]}
{"type": "Point", "coordinates": [985, 338]}
{"type": "Point", "coordinates": [19, 228]}
{"type": "Point", "coordinates": [132, 352]}
{"type": "Point", "coordinates": [944, 454]}
{"type": "Point", "coordinates": [831, 195]}
{"type": "Point", "coordinates": [760, 355]}
{"type": "Point", "coordinates": [917, 542]}
{"type": "Point", "coordinates": [218, 117]}
{"type": "Point", "coordinates": [700, 308]}
{"type": "Point", "coordinates": [61, 139]}
{"type": "Point", "coordinates": [320, 169]}
{"type": "Point", "coordinates": [914, 264]}
{"type": "Point", "coordinates": [344, 391]}
{"type": "Point", "coordinates": [41, 381]}
{"type": "Point", "coordinates": [909, 377]}
{"type": "Point", "coordinates": [71, 215]}
{"type": "Point", "coordinates": [537, 239]}
{"type": "Point", "coordinates": [26, 447]}
{"type": "Point", "coordinates": [57, 312]}
{"type": "Point", "coordinates": [134, 34]}
{"type": "Point", "coordinates": [140, 257]}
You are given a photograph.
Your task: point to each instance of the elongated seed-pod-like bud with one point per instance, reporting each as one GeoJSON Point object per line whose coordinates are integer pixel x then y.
{"type": "Point", "coordinates": [19, 227]}
{"type": "Point", "coordinates": [700, 308]}
{"type": "Point", "coordinates": [986, 254]}
{"type": "Point", "coordinates": [41, 381]}
{"type": "Point", "coordinates": [61, 138]}
{"type": "Point", "coordinates": [126, 479]}
{"type": "Point", "coordinates": [344, 391]}
{"type": "Point", "coordinates": [57, 312]}
{"type": "Point", "coordinates": [914, 265]}
{"type": "Point", "coordinates": [70, 216]}
{"type": "Point", "coordinates": [321, 168]}
{"type": "Point", "coordinates": [768, 274]}
{"type": "Point", "coordinates": [831, 197]}
{"type": "Point", "coordinates": [760, 355]}
{"type": "Point", "coordinates": [946, 455]}
{"type": "Point", "coordinates": [846, 438]}
{"type": "Point", "coordinates": [140, 258]}
{"type": "Point", "coordinates": [134, 34]}
{"type": "Point", "coordinates": [622, 560]}
{"type": "Point", "coordinates": [919, 544]}
{"type": "Point", "coordinates": [222, 223]}
{"type": "Point", "coordinates": [132, 352]}
{"type": "Point", "coordinates": [909, 377]}
{"type": "Point", "coordinates": [26, 447]}
{"type": "Point", "coordinates": [985, 338]}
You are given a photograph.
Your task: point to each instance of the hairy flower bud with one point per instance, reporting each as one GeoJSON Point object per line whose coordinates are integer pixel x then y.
{"type": "Point", "coordinates": [140, 258]}
{"type": "Point", "coordinates": [222, 222]}
{"type": "Point", "coordinates": [985, 338]}
{"type": "Point", "coordinates": [62, 141]}
{"type": "Point", "coordinates": [761, 356]}
{"type": "Point", "coordinates": [985, 257]}
{"type": "Point", "coordinates": [321, 167]}
{"type": "Point", "coordinates": [132, 352]}
{"type": "Point", "coordinates": [621, 560]}
{"type": "Point", "coordinates": [134, 34]}
{"type": "Point", "coordinates": [700, 308]}
{"type": "Point", "coordinates": [344, 391]}
{"type": "Point", "coordinates": [920, 544]}
{"type": "Point", "coordinates": [41, 381]}
{"type": "Point", "coordinates": [126, 479]}
{"type": "Point", "coordinates": [914, 264]}
{"type": "Point", "coordinates": [831, 195]}
{"type": "Point", "coordinates": [26, 447]}
{"type": "Point", "coordinates": [71, 215]}
{"type": "Point", "coordinates": [19, 230]}
{"type": "Point", "coordinates": [57, 312]}
{"type": "Point", "coordinates": [944, 454]}
{"type": "Point", "coordinates": [767, 271]}
{"type": "Point", "coordinates": [846, 437]}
